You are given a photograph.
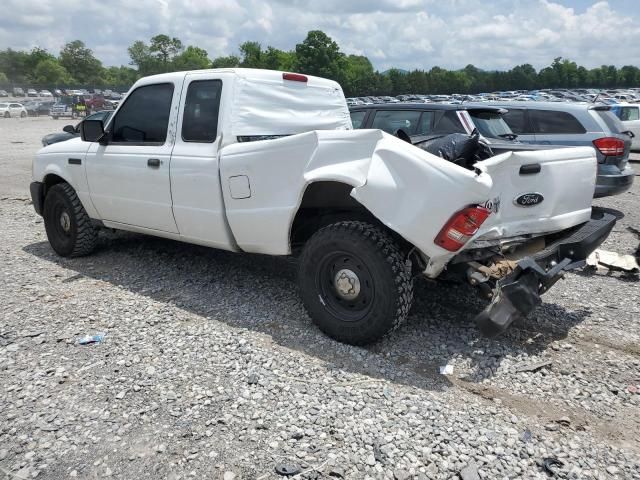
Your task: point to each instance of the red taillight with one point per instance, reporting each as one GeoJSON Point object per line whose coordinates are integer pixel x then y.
{"type": "Point", "coordinates": [609, 146]}
{"type": "Point", "coordinates": [461, 227]}
{"type": "Point", "coordinates": [295, 77]}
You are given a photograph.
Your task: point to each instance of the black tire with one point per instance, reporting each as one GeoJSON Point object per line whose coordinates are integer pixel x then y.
{"type": "Point", "coordinates": [7, 115]}
{"type": "Point", "coordinates": [384, 285]}
{"type": "Point", "coordinates": [55, 118]}
{"type": "Point", "coordinates": [23, 114]}
{"type": "Point", "coordinates": [69, 228]}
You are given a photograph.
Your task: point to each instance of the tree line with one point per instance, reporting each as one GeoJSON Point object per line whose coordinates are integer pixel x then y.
{"type": "Point", "coordinates": [317, 54]}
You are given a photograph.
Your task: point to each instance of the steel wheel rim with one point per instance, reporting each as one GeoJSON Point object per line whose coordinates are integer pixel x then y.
{"type": "Point", "coordinates": [343, 269]}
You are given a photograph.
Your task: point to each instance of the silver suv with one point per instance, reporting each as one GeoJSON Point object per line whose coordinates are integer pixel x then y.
{"type": "Point", "coordinates": [577, 124]}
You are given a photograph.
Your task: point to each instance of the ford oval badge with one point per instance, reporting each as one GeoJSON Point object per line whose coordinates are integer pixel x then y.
{"type": "Point", "coordinates": [529, 199]}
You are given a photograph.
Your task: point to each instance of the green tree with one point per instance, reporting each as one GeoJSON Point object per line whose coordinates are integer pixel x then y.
{"type": "Point", "coordinates": [251, 55]}
{"type": "Point", "coordinates": [14, 64]}
{"type": "Point", "coordinates": [165, 49]}
{"type": "Point", "coordinates": [358, 77]}
{"type": "Point", "coordinates": [226, 62]}
{"type": "Point", "coordinates": [319, 55]}
{"type": "Point", "coordinates": [193, 58]}
{"type": "Point", "coordinates": [50, 72]}
{"type": "Point", "coordinates": [79, 61]}
{"type": "Point", "coordinates": [3, 78]}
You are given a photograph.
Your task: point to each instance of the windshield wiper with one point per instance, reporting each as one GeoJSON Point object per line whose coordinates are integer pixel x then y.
{"type": "Point", "coordinates": [508, 136]}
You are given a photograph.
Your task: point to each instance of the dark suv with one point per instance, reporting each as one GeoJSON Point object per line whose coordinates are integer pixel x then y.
{"type": "Point", "coordinates": [422, 121]}
{"type": "Point", "coordinates": [502, 132]}
{"type": "Point", "coordinates": [577, 124]}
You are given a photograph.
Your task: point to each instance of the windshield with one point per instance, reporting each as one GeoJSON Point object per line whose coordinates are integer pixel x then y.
{"type": "Point", "coordinates": [490, 124]}
{"type": "Point", "coordinates": [4, 105]}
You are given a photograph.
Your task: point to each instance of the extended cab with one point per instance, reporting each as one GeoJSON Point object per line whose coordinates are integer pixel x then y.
{"type": "Point", "coordinates": [267, 162]}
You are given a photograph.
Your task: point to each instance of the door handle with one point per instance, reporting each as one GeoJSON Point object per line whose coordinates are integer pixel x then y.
{"type": "Point", "coordinates": [153, 162]}
{"type": "Point", "coordinates": [530, 169]}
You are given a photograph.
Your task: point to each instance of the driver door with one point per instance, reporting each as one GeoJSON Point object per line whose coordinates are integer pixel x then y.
{"type": "Point", "coordinates": [129, 176]}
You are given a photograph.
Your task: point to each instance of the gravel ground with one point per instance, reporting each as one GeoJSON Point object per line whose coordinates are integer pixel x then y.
{"type": "Point", "coordinates": [211, 369]}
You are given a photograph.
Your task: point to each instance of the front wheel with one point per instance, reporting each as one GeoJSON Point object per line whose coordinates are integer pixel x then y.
{"type": "Point", "coordinates": [69, 228]}
{"type": "Point", "coordinates": [354, 282]}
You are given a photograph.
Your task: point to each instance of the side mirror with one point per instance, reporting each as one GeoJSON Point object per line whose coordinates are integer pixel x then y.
{"type": "Point", "coordinates": [91, 130]}
{"type": "Point", "coordinates": [69, 129]}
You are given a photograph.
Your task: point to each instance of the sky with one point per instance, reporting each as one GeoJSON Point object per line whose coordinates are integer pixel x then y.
{"type": "Point", "coordinates": [408, 34]}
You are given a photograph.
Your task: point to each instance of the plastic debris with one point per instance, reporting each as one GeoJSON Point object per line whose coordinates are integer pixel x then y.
{"type": "Point", "coordinates": [470, 472]}
{"type": "Point", "coordinates": [550, 463]}
{"type": "Point", "coordinates": [90, 339]}
{"type": "Point", "coordinates": [446, 370]}
{"type": "Point", "coordinates": [287, 469]}
{"type": "Point", "coordinates": [533, 367]}
{"type": "Point", "coordinates": [613, 261]}
{"type": "Point", "coordinates": [564, 421]}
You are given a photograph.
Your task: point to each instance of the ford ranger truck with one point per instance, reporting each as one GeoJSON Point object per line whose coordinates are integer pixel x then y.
{"type": "Point", "coordinates": [267, 162]}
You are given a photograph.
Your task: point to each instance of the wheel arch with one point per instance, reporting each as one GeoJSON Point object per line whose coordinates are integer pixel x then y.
{"type": "Point", "coordinates": [324, 202]}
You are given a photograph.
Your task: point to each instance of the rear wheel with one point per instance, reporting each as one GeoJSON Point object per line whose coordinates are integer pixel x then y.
{"type": "Point", "coordinates": [23, 114]}
{"type": "Point", "coordinates": [7, 114]}
{"type": "Point", "coordinates": [69, 228]}
{"type": "Point", "coordinates": [354, 282]}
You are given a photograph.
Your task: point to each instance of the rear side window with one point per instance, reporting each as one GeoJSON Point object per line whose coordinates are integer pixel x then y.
{"type": "Point", "coordinates": [613, 123]}
{"type": "Point", "coordinates": [448, 123]}
{"type": "Point", "coordinates": [629, 114]}
{"type": "Point", "coordinates": [517, 121]}
{"type": "Point", "coordinates": [144, 117]}
{"type": "Point", "coordinates": [426, 120]}
{"type": "Point", "coordinates": [490, 124]}
{"type": "Point", "coordinates": [201, 108]}
{"type": "Point", "coordinates": [550, 122]}
{"type": "Point", "coordinates": [357, 118]}
{"type": "Point", "coordinates": [391, 121]}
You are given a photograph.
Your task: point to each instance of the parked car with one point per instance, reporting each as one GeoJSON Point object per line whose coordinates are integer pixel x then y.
{"type": "Point", "coordinates": [32, 92]}
{"type": "Point", "coordinates": [18, 92]}
{"type": "Point", "coordinates": [3, 93]}
{"type": "Point", "coordinates": [12, 110]}
{"type": "Point", "coordinates": [267, 162]}
{"type": "Point", "coordinates": [57, 92]}
{"type": "Point", "coordinates": [629, 115]}
{"type": "Point", "coordinates": [69, 131]}
{"type": "Point", "coordinates": [94, 101]}
{"type": "Point", "coordinates": [423, 122]}
{"type": "Point", "coordinates": [577, 124]}
{"type": "Point", "coordinates": [45, 93]}
{"type": "Point", "coordinates": [35, 109]}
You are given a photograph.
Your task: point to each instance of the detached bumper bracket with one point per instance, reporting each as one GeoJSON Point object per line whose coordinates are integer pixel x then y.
{"type": "Point", "coordinates": [518, 294]}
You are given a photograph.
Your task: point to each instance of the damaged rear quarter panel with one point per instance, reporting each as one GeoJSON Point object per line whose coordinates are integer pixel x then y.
{"type": "Point", "coordinates": [411, 191]}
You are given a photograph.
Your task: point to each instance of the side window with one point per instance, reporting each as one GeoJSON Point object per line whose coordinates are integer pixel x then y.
{"type": "Point", "coordinates": [448, 123]}
{"type": "Point", "coordinates": [630, 114]}
{"type": "Point", "coordinates": [357, 118]}
{"type": "Point", "coordinates": [516, 118]}
{"type": "Point", "coordinates": [144, 117]}
{"type": "Point", "coordinates": [393, 120]}
{"type": "Point", "coordinates": [425, 125]}
{"type": "Point", "coordinates": [201, 108]}
{"type": "Point", "coordinates": [549, 122]}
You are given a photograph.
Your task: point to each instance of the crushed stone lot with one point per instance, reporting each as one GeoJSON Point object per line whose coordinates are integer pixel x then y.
{"type": "Point", "coordinates": [210, 367]}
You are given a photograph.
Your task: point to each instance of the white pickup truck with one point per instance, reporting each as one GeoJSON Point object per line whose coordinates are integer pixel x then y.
{"type": "Point", "coordinates": [267, 162]}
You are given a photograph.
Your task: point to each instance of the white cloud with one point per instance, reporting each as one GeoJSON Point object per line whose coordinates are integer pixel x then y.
{"type": "Point", "coordinates": [401, 33]}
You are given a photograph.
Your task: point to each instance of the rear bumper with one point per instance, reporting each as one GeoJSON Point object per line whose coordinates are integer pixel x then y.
{"type": "Point", "coordinates": [518, 294]}
{"type": "Point", "coordinates": [612, 181]}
